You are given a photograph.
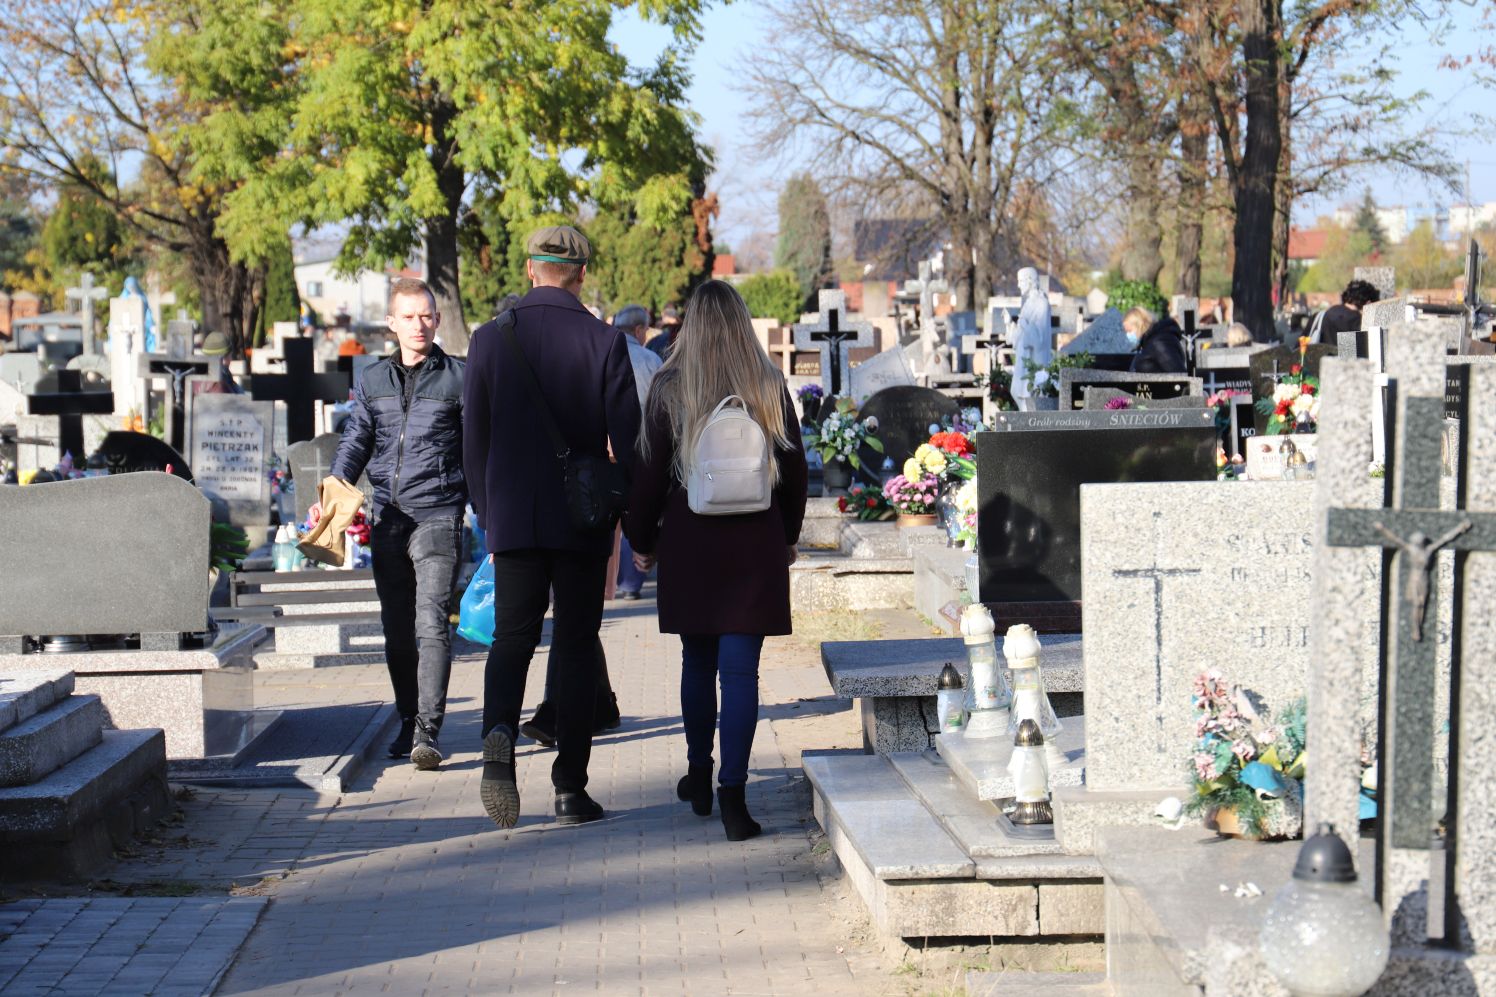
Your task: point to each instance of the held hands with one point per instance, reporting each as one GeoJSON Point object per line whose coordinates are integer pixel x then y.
{"type": "Point", "coordinates": [644, 562]}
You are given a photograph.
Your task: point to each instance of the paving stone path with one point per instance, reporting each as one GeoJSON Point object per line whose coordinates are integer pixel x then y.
{"type": "Point", "coordinates": [401, 885]}
{"type": "Point", "coordinates": [121, 946]}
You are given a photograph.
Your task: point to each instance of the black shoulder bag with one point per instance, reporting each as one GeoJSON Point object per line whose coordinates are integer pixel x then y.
{"type": "Point", "coordinates": [596, 488]}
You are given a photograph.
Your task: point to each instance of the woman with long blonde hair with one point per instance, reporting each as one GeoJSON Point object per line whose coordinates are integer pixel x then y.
{"type": "Point", "coordinates": [724, 579]}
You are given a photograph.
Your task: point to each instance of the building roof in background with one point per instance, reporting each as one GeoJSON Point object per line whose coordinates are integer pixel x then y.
{"type": "Point", "coordinates": [1306, 243]}
{"type": "Point", "coordinates": [724, 265]}
{"type": "Point", "coordinates": [894, 246]}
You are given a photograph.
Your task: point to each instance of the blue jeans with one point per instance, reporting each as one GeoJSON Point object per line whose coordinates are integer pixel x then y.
{"type": "Point", "coordinates": [733, 658]}
{"type": "Point", "coordinates": [630, 578]}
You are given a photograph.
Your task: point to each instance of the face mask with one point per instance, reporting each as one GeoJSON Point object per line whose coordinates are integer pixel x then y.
{"type": "Point", "coordinates": [1132, 338]}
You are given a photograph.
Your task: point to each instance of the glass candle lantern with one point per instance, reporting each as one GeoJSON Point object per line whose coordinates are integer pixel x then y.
{"type": "Point", "coordinates": [988, 697]}
{"type": "Point", "coordinates": [1030, 771]}
{"type": "Point", "coordinates": [1030, 701]}
{"type": "Point", "coordinates": [950, 708]}
{"type": "Point", "coordinates": [1323, 935]}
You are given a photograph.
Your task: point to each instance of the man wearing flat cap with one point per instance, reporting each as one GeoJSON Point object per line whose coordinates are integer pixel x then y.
{"type": "Point", "coordinates": [586, 380]}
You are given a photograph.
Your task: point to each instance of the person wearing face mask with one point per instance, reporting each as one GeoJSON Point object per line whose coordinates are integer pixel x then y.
{"type": "Point", "coordinates": [1160, 348]}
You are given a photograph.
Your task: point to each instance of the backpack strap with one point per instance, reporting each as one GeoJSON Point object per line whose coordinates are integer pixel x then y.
{"type": "Point", "coordinates": [723, 404]}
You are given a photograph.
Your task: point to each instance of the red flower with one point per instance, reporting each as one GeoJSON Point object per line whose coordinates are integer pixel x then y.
{"type": "Point", "coordinates": [841, 504]}
{"type": "Point", "coordinates": [1295, 369]}
{"type": "Point", "coordinates": [1308, 389]}
{"type": "Point", "coordinates": [872, 503]}
{"type": "Point", "coordinates": [1282, 409]}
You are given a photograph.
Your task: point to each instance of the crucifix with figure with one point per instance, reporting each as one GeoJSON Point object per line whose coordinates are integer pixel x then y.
{"type": "Point", "coordinates": [300, 388]}
{"type": "Point", "coordinates": [834, 337]}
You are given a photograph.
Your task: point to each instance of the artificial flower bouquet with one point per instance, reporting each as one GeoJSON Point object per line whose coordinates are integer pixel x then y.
{"type": "Point", "coordinates": [948, 456]}
{"type": "Point", "coordinates": [809, 396]}
{"type": "Point", "coordinates": [915, 497]}
{"type": "Point", "coordinates": [1294, 406]}
{"type": "Point", "coordinates": [867, 504]}
{"type": "Point", "coordinates": [1246, 764]}
{"type": "Point", "coordinates": [966, 508]}
{"type": "Point", "coordinates": [841, 434]}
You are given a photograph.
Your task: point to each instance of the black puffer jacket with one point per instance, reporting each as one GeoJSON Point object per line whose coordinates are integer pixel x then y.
{"type": "Point", "coordinates": [1161, 350]}
{"type": "Point", "coordinates": [406, 431]}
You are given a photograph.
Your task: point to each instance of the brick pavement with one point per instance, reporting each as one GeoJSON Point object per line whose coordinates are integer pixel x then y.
{"type": "Point", "coordinates": [121, 946]}
{"type": "Point", "coordinates": [403, 886]}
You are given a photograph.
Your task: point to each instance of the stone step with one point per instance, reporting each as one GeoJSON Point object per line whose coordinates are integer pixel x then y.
{"type": "Point", "coordinates": [355, 633]}
{"type": "Point", "coordinates": [833, 581]}
{"type": "Point", "coordinates": [82, 789]}
{"type": "Point", "coordinates": [1015, 983]}
{"type": "Point", "coordinates": [875, 812]}
{"type": "Point", "coordinates": [24, 694]}
{"type": "Point", "coordinates": [982, 763]}
{"type": "Point", "coordinates": [32, 749]}
{"type": "Point", "coordinates": [971, 822]}
{"type": "Point", "coordinates": [1079, 813]}
{"type": "Point", "coordinates": [914, 876]}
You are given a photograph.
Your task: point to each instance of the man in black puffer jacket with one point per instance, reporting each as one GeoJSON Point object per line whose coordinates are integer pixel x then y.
{"type": "Point", "coordinates": [406, 431]}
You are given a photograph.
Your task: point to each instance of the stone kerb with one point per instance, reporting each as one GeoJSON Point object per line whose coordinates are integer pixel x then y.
{"type": "Point", "coordinates": [125, 553]}
{"type": "Point", "coordinates": [1178, 578]}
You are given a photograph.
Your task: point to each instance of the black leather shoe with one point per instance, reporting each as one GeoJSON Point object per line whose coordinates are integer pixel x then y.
{"type": "Point", "coordinates": [498, 789]}
{"type": "Point", "coordinates": [400, 746]}
{"type": "Point", "coordinates": [541, 727]}
{"type": "Point", "coordinates": [577, 808]}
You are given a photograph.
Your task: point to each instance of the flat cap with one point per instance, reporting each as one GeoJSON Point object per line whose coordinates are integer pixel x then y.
{"type": "Point", "coordinates": [558, 244]}
{"type": "Point", "coordinates": [215, 344]}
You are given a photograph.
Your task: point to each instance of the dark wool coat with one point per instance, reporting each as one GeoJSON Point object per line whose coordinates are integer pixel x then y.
{"type": "Point", "coordinates": [406, 431]}
{"type": "Point", "coordinates": [1160, 351]}
{"type": "Point", "coordinates": [587, 381]}
{"type": "Point", "coordinates": [718, 574]}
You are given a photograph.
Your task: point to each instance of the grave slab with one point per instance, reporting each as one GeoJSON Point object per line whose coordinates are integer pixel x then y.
{"type": "Point", "coordinates": [25, 694]}
{"type": "Point", "coordinates": [1144, 387]}
{"type": "Point", "coordinates": [37, 746]}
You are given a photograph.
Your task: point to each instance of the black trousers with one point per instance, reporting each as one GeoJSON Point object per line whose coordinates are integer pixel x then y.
{"type": "Point", "coordinates": [523, 583]}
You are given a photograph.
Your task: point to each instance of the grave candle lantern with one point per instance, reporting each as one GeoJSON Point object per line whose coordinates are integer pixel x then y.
{"type": "Point", "coordinates": [1322, 935]}
{"type": "Point", "coordinates": [988, 697]}
{"type": "Point", "coordinates": [1030, 772]}
{"type": "Point", "coordinates": [949, 709]}
{"type": "Point", "coordinates": [1030, 701]}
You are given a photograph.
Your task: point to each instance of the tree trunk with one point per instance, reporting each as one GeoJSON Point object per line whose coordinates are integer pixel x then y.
{"type": "Point", "coordinates": [1283, 199]}
{"type": "Point", "coordinates": [1256, 181]}
{"type": "Point", "coordinates": [1142, 258]}
{"type": "Point", "coordinates": [441, 232]}
{"type": "Point", "coordinates": [232, 293]}
{"type": "Point", "coordinates": [1194, 148]}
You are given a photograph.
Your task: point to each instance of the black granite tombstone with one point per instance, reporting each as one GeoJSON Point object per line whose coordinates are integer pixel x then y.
{"type": "Point", "coordinates": [1270, 366]}
{"type": "Point", "coordinates": [1029, 478]}
{"type": "Point", "coordinates": [905, 413]}
{"type": "Point", "coordinates": [124, 452]}
{"type": "Point", "coordinates": [1143, 388]}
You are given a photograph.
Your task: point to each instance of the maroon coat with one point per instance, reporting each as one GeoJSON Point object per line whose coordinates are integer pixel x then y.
{"type": "Point", "coordinates": [718, 574]}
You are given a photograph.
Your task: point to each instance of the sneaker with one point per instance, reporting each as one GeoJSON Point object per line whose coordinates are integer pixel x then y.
{"type": "Point", "coordinates": [425, 755]}
{"type": "Point", "coordinates": [541, 727]}
{"type": "Point", "coordinates": [400, 746]}
{"type": "Point", "coordinates": [577, 808]}
{"type": "Point", "coordinates": [628, 595]}
{"type": "Point", "coordinates": [497, 788]}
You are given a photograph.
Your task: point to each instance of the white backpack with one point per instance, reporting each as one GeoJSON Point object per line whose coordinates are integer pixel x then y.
{"type": "Point", "coordinates": [729, 474]}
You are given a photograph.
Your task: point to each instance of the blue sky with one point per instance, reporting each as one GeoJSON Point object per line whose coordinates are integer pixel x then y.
{"type": "Point", "coordinates": [748, 178]}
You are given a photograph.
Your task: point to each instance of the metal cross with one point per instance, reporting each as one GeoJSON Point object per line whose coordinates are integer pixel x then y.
{"type": "Point", "coordinates": [300, 388]}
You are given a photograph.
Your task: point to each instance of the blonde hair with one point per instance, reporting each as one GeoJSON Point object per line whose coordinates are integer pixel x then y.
{"type": "Point", "coordinates": [1238, 335]}
{"type": "Point", "coordinates": [1138, 320]}
{"type": "Point", "coordinates": [715, 355]}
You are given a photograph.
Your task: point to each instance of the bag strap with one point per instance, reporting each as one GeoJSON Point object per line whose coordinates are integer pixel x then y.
{"type": "Point", "coordinates": [506, 329]}
{"type": "Point", "coordinates": [723, 404]}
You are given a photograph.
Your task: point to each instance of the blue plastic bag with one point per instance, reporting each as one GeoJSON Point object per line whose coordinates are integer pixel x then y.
{"type": "Point", "coordinates": [475, 618]}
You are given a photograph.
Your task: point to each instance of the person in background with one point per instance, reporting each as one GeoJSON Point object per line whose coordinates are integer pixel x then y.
{"type": "Point", "coordinates": [724, 580]}
{"type": "Point", "coordinates": [1238, 335]}
{"type": "Point", "coordinates": [1160, 350]}
{"type": "Point", "coordinates": [1346, 316]}
{"type": "Point", "coordinates": [216, 344]}
{"type": "Point", "coordinates": [405, 430]}
{"type": "Point", "coordinates": [661, 342]}
{"type": "Point", "coordinates": [633, 322]}
{"type": "Point", "coordinates": [1136, 323]}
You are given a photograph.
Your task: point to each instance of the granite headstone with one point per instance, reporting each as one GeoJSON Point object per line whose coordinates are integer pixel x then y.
{"type": "Point", "coordinates": [1269, 367]}
{"type": "Point", "coordinates": [1104, 335]}
{"type": "Point", "coordinates": [231, 438]}
{"type": "Point", "coordinates": [311, 461]}
{"type": "Point", "coordinates": [1141, 386]}
{"type": "Point", "coordinates": [904, 416]}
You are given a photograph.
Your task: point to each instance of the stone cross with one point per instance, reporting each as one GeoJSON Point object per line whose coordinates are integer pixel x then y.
{"type": "Point", "coordinates": [177, 371]}
{"type": "Point", "coordinates": [1157, 575]}
{"type": "Point", "coordinates": [70, 403]}
{"type": "Point", "coordinates": [833, 338]}
{"type": "Point", "coordinates": [301, 388]}
{"type": "Point", "coordinates": [86, 294]}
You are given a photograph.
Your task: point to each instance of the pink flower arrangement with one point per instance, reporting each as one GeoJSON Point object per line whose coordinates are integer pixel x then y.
{"type": "Point", "coordinates": [1117, 404]}
{"type": "Point", "coordinates": [912, 498]}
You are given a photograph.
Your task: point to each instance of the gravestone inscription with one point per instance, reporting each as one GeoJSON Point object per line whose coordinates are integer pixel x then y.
{"type": "Point", "coordinates": [230, 453]}
{"type": "Point", "coordinates": [1140, 386]}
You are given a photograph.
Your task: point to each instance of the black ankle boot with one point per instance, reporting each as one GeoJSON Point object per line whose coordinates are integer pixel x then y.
{"type": "Point", "coordinates": [735, 817]}
{"type": "Point", "coordinates": [695, 787]}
